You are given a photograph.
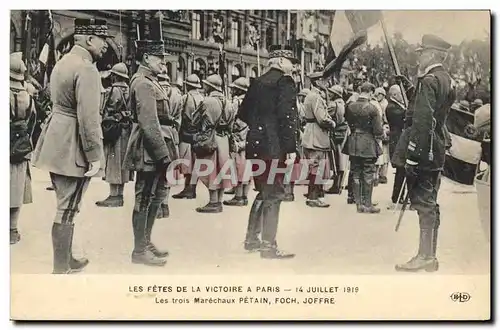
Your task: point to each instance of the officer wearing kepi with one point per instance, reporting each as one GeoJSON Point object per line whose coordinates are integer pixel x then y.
{"type": "Point", "coordinates": [269, 109]}
{"type": "Point", "coordinates": [70, 146]}
{"type": "Point", "coordinates": [422, 147]}
{"type": "Point", "coordinates": [151, 148]}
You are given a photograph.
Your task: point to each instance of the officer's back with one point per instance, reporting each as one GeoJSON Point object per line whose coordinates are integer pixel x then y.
{"type": "Point", "coordinates": [365, 123]}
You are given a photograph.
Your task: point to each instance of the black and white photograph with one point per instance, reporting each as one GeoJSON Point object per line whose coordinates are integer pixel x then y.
{"type": "Point", "coordinates": [250, 164]}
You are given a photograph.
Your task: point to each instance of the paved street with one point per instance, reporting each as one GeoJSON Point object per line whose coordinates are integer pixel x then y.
{"type": "Point", "coordinates": [336, 240]}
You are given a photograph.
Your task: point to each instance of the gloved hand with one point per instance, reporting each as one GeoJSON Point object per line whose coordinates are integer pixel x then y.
{"type": "Point", "coordinates": [93, 168]}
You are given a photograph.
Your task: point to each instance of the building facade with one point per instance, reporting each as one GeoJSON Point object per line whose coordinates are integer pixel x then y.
{"type": "Point", "coordinates": [189, 36]}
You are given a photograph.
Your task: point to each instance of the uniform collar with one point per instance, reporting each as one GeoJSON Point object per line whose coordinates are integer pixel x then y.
{"type": "Point", "coordinates": [429, 68]}
{"type": "Point", "coordinates": [120, 84]}
{"type": "Point", "coordinates": [82, 52]}
{"type": "Point", "coordinates": [145, 71]}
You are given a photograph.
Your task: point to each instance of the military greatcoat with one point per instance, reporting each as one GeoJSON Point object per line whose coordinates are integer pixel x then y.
{"type": "Point", "coordinates": [72, 137]}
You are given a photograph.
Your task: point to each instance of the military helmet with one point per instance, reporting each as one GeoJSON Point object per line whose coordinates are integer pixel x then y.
{"type": "Point", "coordinates": [214, 81]}
{"type": "Point", "coordinates": [478, 102]}
{"type": "Point", "coordinates": [120, 69]}
{"type": "Point", "coordinates": [379, 90]}
{"type": "Point", "coordinates": [17, 66]}
{"type": "Point", "coordinates": [179, 82]}
{"type": "Point", "coordinates": [241, 83]}
{"type": "Point", "coordinates": [337, 89]}
{"type": "Point", "coordinates": [193, 80]}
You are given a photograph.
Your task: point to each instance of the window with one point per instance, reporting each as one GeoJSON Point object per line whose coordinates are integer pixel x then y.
{"type": "Point", "coordinates": [235, 33]}
{"type": "Point", "coordinates": [196, 26]}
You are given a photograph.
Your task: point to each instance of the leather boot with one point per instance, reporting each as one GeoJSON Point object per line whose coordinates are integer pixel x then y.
{"type": "Point", "coordinates": [111, 201]}
{"type": "Point", "coordinates": [289, 196]}
{"type": "Point", "coordinates": [75, 264]}
{"type": "Point", "coordinates": [150, 246]}
{"type": "Point", "coordinates": [142, 253]}
{"type": "Point", "coordinates": [213, 205]}
{"type": "Point", "coordinates": [367, 192]}
{"type": "Point", "coordinates": [357, 194]}
{"type": "Point", "coordinates": [236, 201]}
{"type": "Point", "coordinates": [317, 202]}
{"type": "Point", "coordinates": [189, 191]}
{"type": "Point", "coordinates": [61, 244]}
{"type": "Point", "coordinates": [270, 250]}
{"type": "Point", "coordinates": [15, 237]}
{"type": "Point", "coordinates": [252, 241]}
{"type": "Point", "coordinates": [336, 188]}
{"type": "Point", "coordinates": [424, 260]}
{"type": "Point", "coordinates": [350, 192]}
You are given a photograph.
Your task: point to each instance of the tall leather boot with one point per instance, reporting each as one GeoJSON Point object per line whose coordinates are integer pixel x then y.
{"type": "Point", "coordinates": [189, 191]}
{"type": "Point", "coordinates": [61, 244]}
{"type": "Point", "coordinates": [357, 194]}
{"type": "Point", "coordinates": [75, 264]}
{"type": "Point", "coordinates": [152, 216]}
{"type": "Point", "coordinates": [252, 241]}
{"type": "Point", "coordinates": [424, 259]}
{"type": "Point", "coordinates": [141, 253]}
{"type": "Point", "coordinates": [213, 205]}
{"type": "Point", "coordinates": [269, 247]}
{"type": "Point", "coordinates": [367, 193]}
{"type": "Point", "coordinates": [435, 231]}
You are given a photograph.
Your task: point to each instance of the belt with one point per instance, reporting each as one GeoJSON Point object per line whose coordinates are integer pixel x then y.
{"type": "Point", "coordinates": [310, 120]}
{"type": "Point", "coordinates": [167, 121]}
{"type": "Point", "coordinates": [59, 109]}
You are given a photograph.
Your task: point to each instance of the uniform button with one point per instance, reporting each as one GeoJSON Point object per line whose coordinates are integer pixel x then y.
{"type": "Point", "coordinates": [255, 155]}
{"type": "Point", "coordinates": [260, 128]}
{"type": "Point", "coordinates": [289, 126]}
{"type": "Point", "coordinates": [287, 116]}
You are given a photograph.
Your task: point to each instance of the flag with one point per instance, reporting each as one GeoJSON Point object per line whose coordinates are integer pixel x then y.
{"type": "Point", "coordinates": [349, 30]}
{"type": "Point", "coordinates": [463, 157]}
{"type": "Point", "coordinates": [48, 56]}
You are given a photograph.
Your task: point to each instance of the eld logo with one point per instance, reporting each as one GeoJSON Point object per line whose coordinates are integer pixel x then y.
{"type": "Point", "coordinates": [460, 297]}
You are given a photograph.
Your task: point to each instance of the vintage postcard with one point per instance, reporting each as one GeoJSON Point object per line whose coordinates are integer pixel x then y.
{"type": "Point", "coordinates": [250, 164]}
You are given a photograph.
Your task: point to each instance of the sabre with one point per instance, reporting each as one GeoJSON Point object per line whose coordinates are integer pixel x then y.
{"type": "Point", "coordinates": [403, 208]}
{"type": "Point", "coordinates": [400, 193]}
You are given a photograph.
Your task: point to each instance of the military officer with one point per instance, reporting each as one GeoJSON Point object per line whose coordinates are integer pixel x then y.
{"type": "Point", "coordinates": [22, 123]}
{"type": "Point", "coordinates": [151, 148]}
{"type": "Point", "coordinates": [116, 106]}
{"type": "Point", "coordinates": [238, 143]}
{"type": "Point", "coordinates": [422, 146]}
{"type": "Point", "coordinates": [316, 141]}
{"type": "Point", "coordinates": [70, 146]}
{"type": "Point", "coordinates": [216, 114]}
{"type": "Point", "coordinates": [271, 136]}
{"type": "Point", "coordinates": [365, 123]}
{"type": "Point", "coordinates": [190, 104]}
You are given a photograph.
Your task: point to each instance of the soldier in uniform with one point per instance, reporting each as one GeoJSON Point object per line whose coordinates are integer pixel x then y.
{"type": "Point", "coordinates": [238, 143]}
{"type": "Point", "coordinates": [316, 141]}
{"type": "Point", "coordinates": [271, 136]}
{"type": "Point", "coordinates": [22, 123]}
{"type": "Point", "coordinates": [365, 123]}
{"type": "Point", "coordinates": [116, 106]}
{"type": "Point", "coordinates": [70, 145]}
{"type": "Point", "coordinates": [422, 147]}
{"type": "Point", "coordinates": [190, 104]}
{"type": "Point", "coordinates": [174, 111]}
{"type": "Point", "coordinates": [216, 114]}
{"type": "Point", "coordinates": [153, 145]}
{"type": "Point", "coordinates": [336, 110]}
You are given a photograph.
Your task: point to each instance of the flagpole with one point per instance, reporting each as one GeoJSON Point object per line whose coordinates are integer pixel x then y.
{"type": "Point", "coordinates": [394, 59]}
{"type": "Point", "coordinates": [288, 24]}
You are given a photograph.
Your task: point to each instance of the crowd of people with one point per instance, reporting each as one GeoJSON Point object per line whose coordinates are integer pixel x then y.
{"type": "Point", "coordinates": [138, 129]}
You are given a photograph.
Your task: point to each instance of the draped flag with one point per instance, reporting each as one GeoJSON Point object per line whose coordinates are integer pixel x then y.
{"type": "Point", "coordinates": [464, 155]}
{"type": "Point", "coordinates": [48, 55]}
{"type": "Point", "coordinates": [349, 31]}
